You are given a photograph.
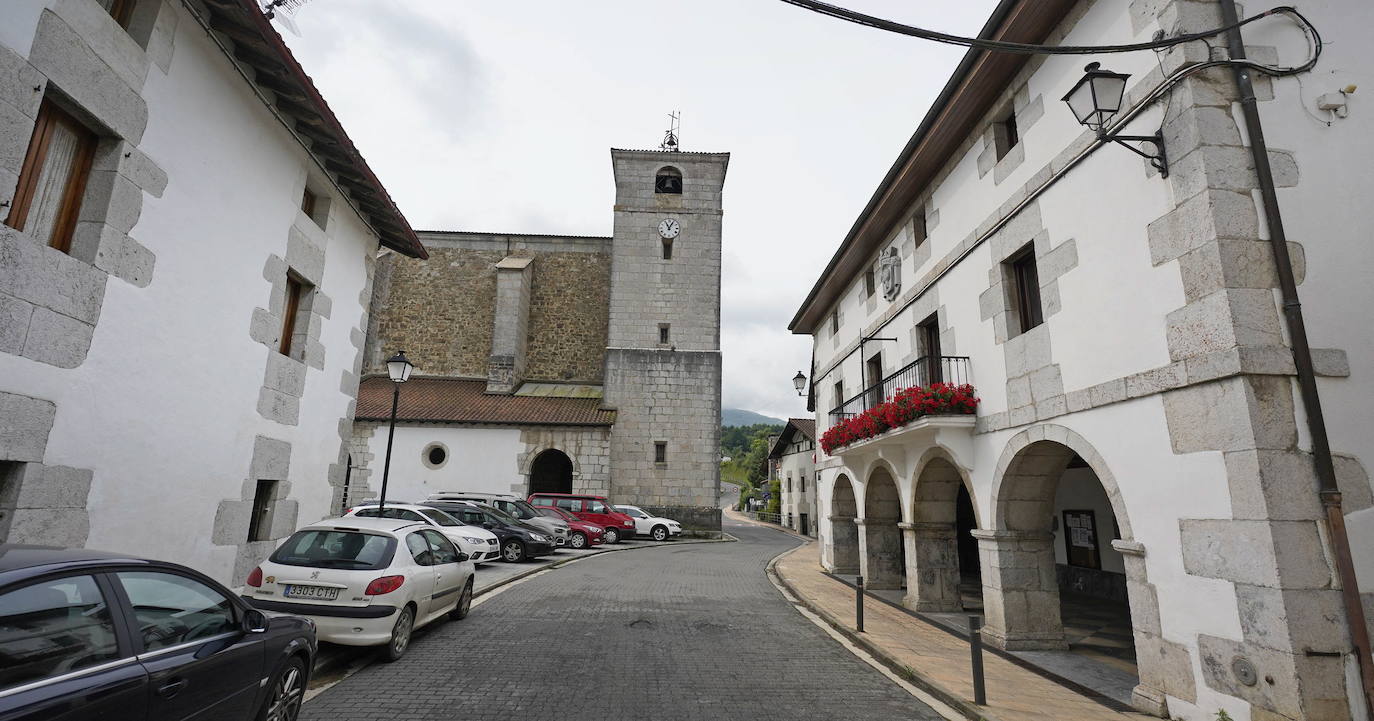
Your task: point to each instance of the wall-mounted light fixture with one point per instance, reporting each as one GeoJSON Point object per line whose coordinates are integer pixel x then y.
{"type": "Point", "coordinates": [1096, 99]}
{"type": "Point", "coordinates": [799, 382]}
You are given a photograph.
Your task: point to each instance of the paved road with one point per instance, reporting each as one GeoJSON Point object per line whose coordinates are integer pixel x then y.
{"type": "Point", "coordinates": [681, 632]}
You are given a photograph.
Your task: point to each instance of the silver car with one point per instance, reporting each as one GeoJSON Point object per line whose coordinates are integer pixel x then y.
{"type": "Point", "coordinates": [515, 506]}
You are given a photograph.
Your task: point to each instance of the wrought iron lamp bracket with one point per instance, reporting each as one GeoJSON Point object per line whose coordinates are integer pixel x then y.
{"type": "Point", "coordinates": [1159, 160]}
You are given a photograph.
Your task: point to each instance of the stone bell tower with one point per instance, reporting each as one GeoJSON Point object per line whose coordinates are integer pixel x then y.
{"type": "Point", "coordinates": [663, 365]}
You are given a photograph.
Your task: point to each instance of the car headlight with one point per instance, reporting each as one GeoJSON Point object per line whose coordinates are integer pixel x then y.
{"type": "Point", "coordinates": [537, 537]}
{"type": "Point", "coordinates": [470, 539]}
{"type": "Point", "coordinates": [629, 523]}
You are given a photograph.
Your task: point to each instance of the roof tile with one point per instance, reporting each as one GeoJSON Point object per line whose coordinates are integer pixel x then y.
{"type": "Point", "coordinates": [461, 400]}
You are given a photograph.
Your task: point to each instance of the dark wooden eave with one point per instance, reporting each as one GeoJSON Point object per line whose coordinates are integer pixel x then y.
{"type": "Point", "coordinates": [978, 81]}
{"type": "Point", "coordinates": [256, 46]}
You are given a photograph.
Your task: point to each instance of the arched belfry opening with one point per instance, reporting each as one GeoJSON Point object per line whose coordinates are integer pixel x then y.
{"type": "Point", "coordinates": [551, 472]}
{"type": "Point", "coordinates": [668, 180]}
{"type": "Point", "coordinates": [844, 535]}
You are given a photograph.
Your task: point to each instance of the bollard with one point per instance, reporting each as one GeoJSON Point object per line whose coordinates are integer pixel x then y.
{"type": "Point", "coordinates": [859, 603]}
{"type": "Point", "coordinates": [975, 646]}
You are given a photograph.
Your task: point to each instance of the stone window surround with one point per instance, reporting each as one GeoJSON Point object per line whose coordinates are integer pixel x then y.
{"type": "Point", "coordinates": [424, 455]}
{"type": "Point", "coordinates": [284, 376]}
{"type": "Point", "coordinates": [39, 503]}
{"type": "Point", "coordinates": [90, 66]}
{"type": "Point", "coordinates": [270, 460]}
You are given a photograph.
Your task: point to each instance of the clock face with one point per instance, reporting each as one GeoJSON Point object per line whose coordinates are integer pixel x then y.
{"type": "Point", "coordinates": [669, 228]}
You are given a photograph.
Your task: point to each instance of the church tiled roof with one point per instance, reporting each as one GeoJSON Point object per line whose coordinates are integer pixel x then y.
{"type": "Point", "coordinates": [461, 400]}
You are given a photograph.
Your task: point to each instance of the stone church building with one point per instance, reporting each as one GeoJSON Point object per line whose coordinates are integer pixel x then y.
{"type": "Point", "coordinates": [559, 363]}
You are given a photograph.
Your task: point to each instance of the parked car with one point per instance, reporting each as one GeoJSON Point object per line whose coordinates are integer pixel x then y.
{"type": "Point", "coordinates": [584, 534]}
{"type": "Point", "coordinates": [481, 545]}
{"type": "Point", "coordinates": [655, 527]}
{"type": "Point", "coordinates": [365, 581]}
{"type": "Point", "coordinates": [93, 635]}
{"type": "Point", "coordinates": [557, 529]}
{"type": "Point", "coordinates": [519, 541]}
{"type": "Point", "coordinates": [595, 509]}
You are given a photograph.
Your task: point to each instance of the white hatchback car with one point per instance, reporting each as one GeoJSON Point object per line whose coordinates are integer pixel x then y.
{"type": "Point", "coordinates": [481, 545]}
{"type": "Point", "coordinates": [655, 527]}
{"type": "Point", "coordinates": [365, 581]}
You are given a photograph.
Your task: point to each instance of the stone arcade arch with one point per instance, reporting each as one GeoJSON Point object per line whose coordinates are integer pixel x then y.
{"type": "Point", "coordinates": [880, 540]}
{"type": "Point", "coordinates": [844, 535]}
{"type": "Point", "coordinates": [1042, 468]}
{"type": "Point", "coordinates": [939, 521]}
{"type": "Point", "coordinates": [551, 472]}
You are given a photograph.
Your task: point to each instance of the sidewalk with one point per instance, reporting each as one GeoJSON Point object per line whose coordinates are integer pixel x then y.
{"type": "Point", "coordinates": [934, 659]}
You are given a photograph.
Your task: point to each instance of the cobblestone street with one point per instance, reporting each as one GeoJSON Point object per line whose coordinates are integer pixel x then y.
{"type": "Point", "coordinates": [683, 632]}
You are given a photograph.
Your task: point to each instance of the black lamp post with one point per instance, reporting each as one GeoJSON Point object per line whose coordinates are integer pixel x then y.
{"type": "Point", "coordinates": [1096, 99]}
{"type": "Point", "coordinates": [799, 382]}
{"type": "Point", "coordinates": [398, 367]}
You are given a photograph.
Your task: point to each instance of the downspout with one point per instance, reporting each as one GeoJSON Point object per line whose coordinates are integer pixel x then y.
{"type": "Point", "coordinates": [1327, 489]}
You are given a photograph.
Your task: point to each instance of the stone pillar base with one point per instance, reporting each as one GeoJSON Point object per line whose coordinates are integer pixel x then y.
{"type": "Point", "coordinates": [1150, 701]}
{"type": "Point", "coordinates": [1024, 641]}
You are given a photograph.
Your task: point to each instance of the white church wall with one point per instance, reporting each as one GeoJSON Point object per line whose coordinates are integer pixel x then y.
{"type": "Point", "coordinates": [480, 460]}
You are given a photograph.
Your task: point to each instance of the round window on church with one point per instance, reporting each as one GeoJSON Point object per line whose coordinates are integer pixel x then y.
{"type": "Point", "coordinates": [434, 455]}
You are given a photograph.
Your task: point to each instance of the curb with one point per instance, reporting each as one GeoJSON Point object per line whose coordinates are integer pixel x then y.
{"type": "Point", "coordinates": [953, 700]}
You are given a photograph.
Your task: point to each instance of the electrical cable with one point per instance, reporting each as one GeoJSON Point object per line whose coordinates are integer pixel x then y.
{"type": "Point", "coordinates": [1031, 49]}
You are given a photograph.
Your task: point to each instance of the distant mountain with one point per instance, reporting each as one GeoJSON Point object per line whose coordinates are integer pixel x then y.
{"type": "Point", "coordinates": [741, 417]}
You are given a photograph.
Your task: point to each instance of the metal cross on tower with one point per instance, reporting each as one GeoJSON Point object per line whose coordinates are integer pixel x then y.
{"type": "Point", "coordinates": [670, 142]}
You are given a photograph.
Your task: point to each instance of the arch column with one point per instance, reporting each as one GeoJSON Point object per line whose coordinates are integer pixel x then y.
{"type": "Point", "coordinates": [843, 543]}
{"type": "Point", "coordinates": [1020, 590]}
{"type": "Point", "coordinates": [932, 567]}
{"type": "Point", "coordinates": [880, 552]}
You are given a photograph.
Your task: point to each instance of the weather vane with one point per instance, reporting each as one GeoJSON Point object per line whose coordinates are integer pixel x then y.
{"type": "Point", "coordinates": [670, 142]}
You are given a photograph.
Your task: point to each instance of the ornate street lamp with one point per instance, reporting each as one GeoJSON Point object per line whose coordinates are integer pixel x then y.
{"type": "Point", "coordinates": [399, 368]}
{"type": "Point", "coordinates": [1096, 99]}
{"type": "Point", "coordinates": [799, 382]}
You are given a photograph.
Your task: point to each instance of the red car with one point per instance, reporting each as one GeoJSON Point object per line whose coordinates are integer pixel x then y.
{"type": "Point", "coordinates": [581, 534]}
{"type": "Point", "coordinates": [593, 509]}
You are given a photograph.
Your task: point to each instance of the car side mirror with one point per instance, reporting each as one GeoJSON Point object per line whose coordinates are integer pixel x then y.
{"type": "Point", "coordinates": [462, 556]}
{"type": "Point", "coordinates": [255, 621]}
{"type": "Point", "coordinates": [488, 524]}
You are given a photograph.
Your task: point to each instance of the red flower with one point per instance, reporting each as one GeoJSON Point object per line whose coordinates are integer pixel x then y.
{"type": "Point", "coordinates": [903, 407]}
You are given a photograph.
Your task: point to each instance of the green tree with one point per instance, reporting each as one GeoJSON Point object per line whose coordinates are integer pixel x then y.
{"type": "Point", "coordinates": [775, 496]}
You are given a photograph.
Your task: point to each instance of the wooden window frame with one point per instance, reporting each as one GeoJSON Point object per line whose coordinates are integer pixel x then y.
{"type": "Point", "coordinates": [918, 228]}
{"type": "Point", "coordinates": [308, 202]}
{"type": "Point", "coordinates": [1005, 134]}
{"type": "Point", "coordinates": [834, 321]}
{"type": "Point", "coordinates": [50, 116]}
{"type": "Point", "coordinates": [123, 11]}
{"type": "Point", "coordinates": [1025, 278]}
{"type": "Point", "coordinates": [870, 283]}
{"type": "Point", "coordinates": [930, 348]}
{"type": "Point", "coordinates": [295, 289]}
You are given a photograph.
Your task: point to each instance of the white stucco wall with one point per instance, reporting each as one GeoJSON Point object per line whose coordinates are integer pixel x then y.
{"type": "Point", "coordinates": [480, 460]}
{"type": "Point", "coordinates": [164, 407]}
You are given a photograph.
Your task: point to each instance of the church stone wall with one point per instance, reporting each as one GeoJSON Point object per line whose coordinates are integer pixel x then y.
{"type": "Point", "coordinates": [441, 311]}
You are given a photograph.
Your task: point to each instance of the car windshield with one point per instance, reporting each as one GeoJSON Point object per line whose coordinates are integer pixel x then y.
{"type": "Point", "coordinates": [440, 517]}
{"type": "Point", "coordinates": [631, 511]}
{"type": "Point", "coordinates": [336, 549]}
{"type": "Point", "coordinates": [519, 509]}
{"type": "Point", "coordinates": [564, 514]}
{"type": "Point", "coordinates": [499, 514]}
{"type": "Point", "coordinates": [550, 512]}
{"type": "Point", "coordinates": [402, 514]}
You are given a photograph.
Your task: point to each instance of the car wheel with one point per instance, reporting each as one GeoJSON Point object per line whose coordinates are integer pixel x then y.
{"type": "Point", "coordinates": [513, 551]}
{"type": "Point", "coordinates": [659, 533]}
{"type": "Point", "coordinates": [400, 635]}
{"type": "Point", "coordinates": [612, 535]}
{"type": "Point", "coordinates": [283, 702]}
{"type": "Point", "coordinates": [460, 611]}
{"type": "Point", "coordinates": [578, 540]}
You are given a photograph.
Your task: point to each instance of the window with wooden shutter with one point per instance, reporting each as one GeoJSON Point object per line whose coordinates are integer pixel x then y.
{"type": "Point", "coordinates": [121, 10]}
{"type": "Point", "coordinates": [294, 290]}
{"type": "Point", "coordinates": [53, 178]}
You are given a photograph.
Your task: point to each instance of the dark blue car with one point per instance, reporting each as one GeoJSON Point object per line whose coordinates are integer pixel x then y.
{"type": "Point", "coordinates": [94, 635]}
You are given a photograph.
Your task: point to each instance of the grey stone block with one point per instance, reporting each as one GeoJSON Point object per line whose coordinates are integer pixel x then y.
{"type": "Point", "coordinates": [114, 252]}
{"type": "Point", "coordinates": [1058, 261]}
{"type": "Point", "coordinates": [1201, 219]}
{"type": "Point", "coordinates": [16, 129]}
{"type": "Point", "coordinates": [17, 82]}
{"type": "Point", "coordinates": [50, 487]}
{"type": "Point", "coordinates": [1009, 163]}
{"type": "Point", "coordinates": [70, 63]}
{"type": "Point", "coordinates": [305, 256]}
{"type": "Point", "coordinates": [271, 459]}
{"type": "Point", "coordinates": [1019, 392]}
{"type": "Point", "coordinates": [285, 374]}
{"type": "Point", "coordinates": [67, 527]}
{"type": "Point", "coordinates": [14, 324]}
{"type": "Point", "coordinates": [1156, 380]}
{"type": "Point", "coordinates": [112, 199]}
{"type": "Point", "coordinates": [1028, 351]}
{"type": "Point", "coordinates": [24, 427]}
{"type": "Point", "coordinates": [264, 327]}
{"type": "Point", "coordinates": [56, 339]}
{"type": "Point", "coordinates": [231, 522]}
{"type": "Point", "coordinates": [277, 406]}
{"type": "Point", "coordinates": [1046, 383]}
{"type": "Point", "coordinates": [49, 278]}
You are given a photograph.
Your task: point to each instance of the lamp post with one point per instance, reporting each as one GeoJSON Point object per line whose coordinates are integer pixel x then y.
{"type": "Point", "coordinates": [398, 367]}
{"type": "Point", "coordinates": [1096, 98]}
{"type": "Point", "coordinates": [799, 382]}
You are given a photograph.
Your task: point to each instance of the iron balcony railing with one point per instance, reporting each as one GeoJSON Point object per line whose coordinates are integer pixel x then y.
{"type": "Point", "coordinates": [921, 372]}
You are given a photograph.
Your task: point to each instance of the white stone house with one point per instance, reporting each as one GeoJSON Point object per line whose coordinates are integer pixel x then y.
{"type": "Point", "coordinates": [1143, 446]}
{"type": "Point", "coordinates": [185, 267]}
{"type": "Point", "coordinates": [792, 455]}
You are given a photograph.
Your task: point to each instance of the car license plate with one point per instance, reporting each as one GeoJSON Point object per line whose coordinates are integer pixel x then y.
{"type": "Point", "coordinates": [314, 593]}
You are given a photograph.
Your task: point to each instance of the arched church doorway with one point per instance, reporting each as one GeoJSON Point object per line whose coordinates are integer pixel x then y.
{"type": "Point", "coordinates": [844, 535]}
{"type": "Point", "coordinates": [1060, 582]}
{"type": "Point", "coordinates": [551, 472]}
{"type": "Point", "coordinates": [944, 573]}
{"type": "Point", "coordinates": [884, 559]}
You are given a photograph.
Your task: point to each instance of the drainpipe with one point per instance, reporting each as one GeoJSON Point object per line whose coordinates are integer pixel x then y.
{"type": "Point", "coordinates": [1327, 489]}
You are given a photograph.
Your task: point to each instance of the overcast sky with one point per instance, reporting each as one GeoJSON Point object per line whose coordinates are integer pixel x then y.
{"type": "Point", "coordinates": [499, 116]}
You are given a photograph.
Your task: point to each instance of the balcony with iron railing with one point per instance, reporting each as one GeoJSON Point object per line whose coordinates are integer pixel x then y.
{"type": "Point", "coordinates": [923, 371]}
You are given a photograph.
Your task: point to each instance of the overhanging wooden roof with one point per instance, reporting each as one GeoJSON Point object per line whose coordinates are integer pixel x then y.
{"type": "Point", "coordinates": [241, 26]}
{"type": "Point", "coordinates": [970, 93]}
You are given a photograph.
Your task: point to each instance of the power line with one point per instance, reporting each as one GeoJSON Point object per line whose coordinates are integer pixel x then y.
{"type": "Point", "coordinates": [1002, 46]}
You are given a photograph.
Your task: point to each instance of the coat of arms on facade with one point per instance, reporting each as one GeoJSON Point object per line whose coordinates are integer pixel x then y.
{"type": "Point", "coordinates": [890, 273]}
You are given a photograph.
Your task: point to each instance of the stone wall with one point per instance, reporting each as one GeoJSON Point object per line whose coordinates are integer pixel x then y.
{"type": "Point", "coordinates": [441, 312]}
